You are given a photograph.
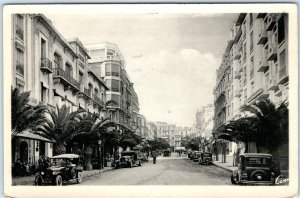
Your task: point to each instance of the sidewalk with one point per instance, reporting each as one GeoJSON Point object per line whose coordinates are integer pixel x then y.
{"type": "Point", "coordinates": [226, 166]}
{"type": "Point", "coordinates": [29, 180]}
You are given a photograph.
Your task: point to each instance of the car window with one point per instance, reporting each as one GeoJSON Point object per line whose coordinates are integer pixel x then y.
{"type": "Point", "coordinates": [258, 161]}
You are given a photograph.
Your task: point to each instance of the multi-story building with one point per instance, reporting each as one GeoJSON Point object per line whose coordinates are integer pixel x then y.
{"type": "Point", "coordinates": [152, 130]}
{"type": "Point", "coordinates": [55, 72]}
{"type": "Point", "coordinates": [254, 66]}
{"type": "Point", "coordinates": [109, 65]}
{"type": "Point", "coordinates": [204, 120]}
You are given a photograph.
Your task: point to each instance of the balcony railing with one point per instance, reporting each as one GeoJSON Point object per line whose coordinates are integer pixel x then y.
{"type": "Point", "coordinates": [115, 58]}
{"type": "Point", "coordinates": [20, 32]}
{"type": "Point", "coordinates": [46, 65]}
{"type": "Point", "coordinates": [20, 68]}
{"type": "Point", "coordinates": [67, 79]}
{"type": "Point", "coordinates": [98, 100]}
{"type": "Point", "coordinates": [237, 75]}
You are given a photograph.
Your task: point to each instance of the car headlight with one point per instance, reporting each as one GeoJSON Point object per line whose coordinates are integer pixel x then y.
{"type": "Point", "coordinates": [55, 172]}
{"type": "Point", "coordinates": [42, 173]}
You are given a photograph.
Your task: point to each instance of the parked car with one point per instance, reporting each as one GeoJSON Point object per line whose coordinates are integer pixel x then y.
{"type": "Point", "coordinates": [205, 158]}
{"type": "Point", "coordinates": [196, 156]}
{"type": "Point", "coordinates": [65, 167]}
{"type": "Point", "coordinates": [254, 168]}
{"type": "Point", "coordinates": [129, 159]}
{"type": "Point", "coordinates": [190, 154]}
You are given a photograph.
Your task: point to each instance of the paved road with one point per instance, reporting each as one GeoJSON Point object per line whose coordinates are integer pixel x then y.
{"type": "Point", "coordinates": [167, 171]}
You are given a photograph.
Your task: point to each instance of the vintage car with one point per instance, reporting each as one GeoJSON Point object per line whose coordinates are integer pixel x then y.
{"type": "Point", "coordinates": [190, 154]}
{"type": "Point", "coordinates": [205, 158]}
{"type": "Point", "coordinates": [65, 167]}
{"type": "Point", "coordinates": [196, 156]}
{"type": "Point", "coordinates": [255, 169]}
{"type": "Point", "coordinates": [129, 159]}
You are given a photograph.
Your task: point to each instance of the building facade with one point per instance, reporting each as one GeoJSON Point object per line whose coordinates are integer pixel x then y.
{"type": "Point", "coordinates": [204, 120]}
{"type": "Point", "coordinates": [254, 66]}
{"type": "Point", "coordinates": [121, 100]}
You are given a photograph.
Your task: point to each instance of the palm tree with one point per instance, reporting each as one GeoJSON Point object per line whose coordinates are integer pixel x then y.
{"type": "Point", "coordinates": [23, 116]}
{"type": "Point", "coordinates": [61, 127]}
{"type": "Point", "coordinates": [88, 131]}
{"type": "Point", "coordinates": [264, 124]}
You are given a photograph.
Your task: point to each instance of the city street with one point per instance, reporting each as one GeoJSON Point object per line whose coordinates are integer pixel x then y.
{"type": "Point", "coordinates": [167, 171]}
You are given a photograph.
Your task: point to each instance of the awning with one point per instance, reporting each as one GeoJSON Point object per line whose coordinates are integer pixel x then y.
{"type": "Point", "coordinates": [30, 135]}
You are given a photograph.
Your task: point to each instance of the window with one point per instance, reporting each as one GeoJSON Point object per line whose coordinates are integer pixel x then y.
{"type": "Point", "coordinates": [252, 86]}
{"type": "Point", "coordinates": [245, 75]}
{"type": "Point", "coordinates": [43, 49]}
{"type": "Point", "coordinates": [251, 42]}
{"type": "Point", "coordinates": [44, 93]}
{"type": "Point", "coordinates": [20, 26]}
{"type": "Point", "coordinates": [281, 29]}
{"type": "Point", "coordinates": [57, 60]}
{"type": "Point", "coordinates": [251, 19]}
{"type": "Point", "coordinates": [252, 68]}
{"type": "Point", "coordinates": [69, 70]}
{"type": "Point", "coordinates": [80, 78]}
{"type": "Point", "coordinates": [282, 66]}
{"type": "Point", "coordinates": [114, 85]}
{"type": "Point", "coordinates": [20, 62]}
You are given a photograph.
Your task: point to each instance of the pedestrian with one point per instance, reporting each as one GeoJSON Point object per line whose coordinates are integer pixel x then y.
{"type": "Point", "coordinates": [154, 157]}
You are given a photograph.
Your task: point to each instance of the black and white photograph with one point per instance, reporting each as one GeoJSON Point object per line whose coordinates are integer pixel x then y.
{"type": "Point", "coordinates": [154, 98]}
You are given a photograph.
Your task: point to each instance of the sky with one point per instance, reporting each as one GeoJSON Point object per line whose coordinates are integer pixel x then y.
{"type": "Point", "coordinates": [170, 58]}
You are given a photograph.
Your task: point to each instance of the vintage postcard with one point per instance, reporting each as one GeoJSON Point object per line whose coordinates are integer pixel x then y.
{"type": "Point", "coordinates": [150, 100]}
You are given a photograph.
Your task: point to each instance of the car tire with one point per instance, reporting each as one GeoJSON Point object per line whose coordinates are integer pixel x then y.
{"type": "Point", "coordinates": [140, 164]}
{"type": "Point", "coordinates": [254, 175]}
{"type": "Point", "coordinates": [130, 165]}
{"type": "Point", "coordinates": [58, 180]}
{"type": "Point", "coordinates": [79, 177]}
{"type": "Point", "coordinates": [38, 181]}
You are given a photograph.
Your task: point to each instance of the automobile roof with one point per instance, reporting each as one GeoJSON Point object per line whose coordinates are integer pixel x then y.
{"type": "Point", "coordinates": [69, 156]}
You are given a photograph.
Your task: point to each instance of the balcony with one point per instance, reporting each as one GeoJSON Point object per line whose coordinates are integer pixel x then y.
{"type": "Point", "coordinates": [272, 53]}
{"type": "Point", "coordinates": [271, 22]}
{"type": "Point", "coordinates": [261, 15]}
{"type": "Point", "coordinates": [46, 65]}
{"type": "Point", "coordinates": [20, 32]}
{"type": "Point", "coordinates": [114, 58]}
{"type": "Point", "coordinates": [20, 68]}
{"type": "Point", "coordinates": [262, 38]}
{"type": "Point", "coordinates": [273, 84]}
{"type": "Point", "coordinates": [237, 75]}
{"type": "Point", "coordinates": [263, 65]}
{"type": "Point", "coordinates": [98, 101]}
{"type": "Point", "coordinates": [283, 76]}
{"type": "Point", "coordinates": [60, 76]}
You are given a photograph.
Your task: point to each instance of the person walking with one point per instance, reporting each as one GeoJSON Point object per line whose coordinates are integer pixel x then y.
{"type": "Point", "coordinates": [154, 157]}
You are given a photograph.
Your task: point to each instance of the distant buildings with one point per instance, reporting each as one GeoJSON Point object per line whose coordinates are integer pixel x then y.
{"type": "Point", "coordinates": [204, 120]}
{"type": "Point", "coordinates": [254, 66]}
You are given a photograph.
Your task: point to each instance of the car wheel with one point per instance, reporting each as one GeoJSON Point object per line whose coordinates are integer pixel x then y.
{"type": "Point", "coordinates": [79, 177]}
{"type": "Point", "coordinates": [233, 180]}
{"type": "Point", "coordinates": [258, 175]}
{"type": "Point", "coordinates": [58, 180]}
{"type": "Point", "coordinates": [38, 180]}
{"type": "Point", "coordinates": [130, 165]}
{"type": "Point", "coordinates": [140, 164]}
